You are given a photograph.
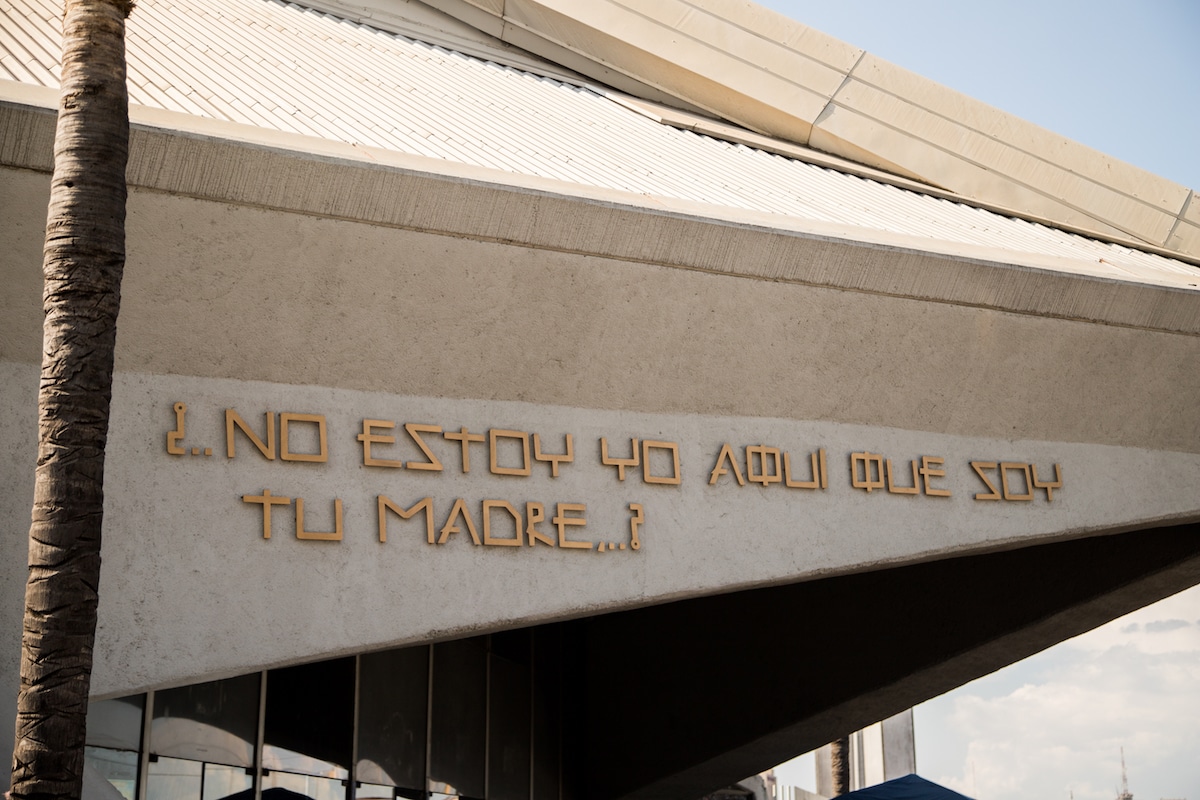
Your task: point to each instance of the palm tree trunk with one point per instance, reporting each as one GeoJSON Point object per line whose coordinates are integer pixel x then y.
{"type": "Point", "coordinates": [840, 758]}
{"type": "Point", "coordinates": [84, 260]}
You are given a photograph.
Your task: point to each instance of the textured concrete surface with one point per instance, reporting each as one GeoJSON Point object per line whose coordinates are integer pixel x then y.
{"type": "Point", "coordinates": [581, 322]}
{"type": "Point", "coordinates": [192, 589]}
{"type": "Point", "coordinates": [528, 311]}
{"type": "Point", "coordinates": [227, 291]}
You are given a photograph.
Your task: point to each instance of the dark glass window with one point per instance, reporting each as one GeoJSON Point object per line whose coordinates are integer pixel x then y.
{"type": "Point", "coordinates": [287, 785]}
{"type": "Point", "coordinates": [114, 736]}
{"type": "Point", "coordinates": [377, 791]}
{"type": "Point", "coordinates": [222, 782]}
{"type": "Point", "coordinates": [118, 768]}
{"type": "Point", "coordinates": [509, 727]}
{"type": "Point", "coordinates": [456, 750]}
{"type": "Point", "coordinates": [212, 722]}
{"type": "Point", "coordinates": [309, 722]}
{"type": "Point", "coordinates": [116, 724]}
{"type": "Point", "coordinates": [174, 779]}
{"type": "Point", "coordinates": [393, 700]}
{"type": "Point", "coordinates": [546, 710]}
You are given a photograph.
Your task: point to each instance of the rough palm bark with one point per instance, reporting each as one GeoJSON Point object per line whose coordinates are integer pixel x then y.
{"type": "Point", "coordinates": [840, 759]}
{"type": "Point", "coordinates": [84, 259]}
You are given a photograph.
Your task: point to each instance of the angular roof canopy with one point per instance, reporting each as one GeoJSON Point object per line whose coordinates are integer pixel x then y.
{"type": "Point", "coordinates": [540, 102]}
{"type": "Point", "coordinates": [753, 67]}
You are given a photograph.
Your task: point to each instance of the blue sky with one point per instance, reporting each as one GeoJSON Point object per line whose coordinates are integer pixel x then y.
{"type": "Point", "coordinates": [1123, 78]}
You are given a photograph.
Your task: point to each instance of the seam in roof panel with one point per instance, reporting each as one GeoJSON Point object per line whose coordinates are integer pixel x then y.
{"type": "Point", "coordinates": [1105, 188]}
{"type": "Point", "coordinates": [46, 46]}
{"type": "Point", "coordinates": [1094, 186]}
{"type": "Point", "coordinates": [525, 127]}
{"type": "Point", "coordinates": [167, 65]}
{"type": "Point", "coordinates": [644, 155]}
{"type": "Point", "coordinates": [209, 61]}
{"type": "Point", "coordinates": [587, 130]}
{"type": "Point", "coordinates": [269, 102]}
{"type": "Point", "coordinates": [20, 53]}
{"type": "Point", "coordinates": [348, 57]}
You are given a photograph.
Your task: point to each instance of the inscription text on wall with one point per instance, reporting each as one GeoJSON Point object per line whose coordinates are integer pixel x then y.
{"type": "Point", "coordinates": [386, 445]}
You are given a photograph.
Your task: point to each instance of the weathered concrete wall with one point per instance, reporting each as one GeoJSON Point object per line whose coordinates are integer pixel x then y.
{"type": "Point", "coordinates": [192, 589]}
{"type": "Point", "coordinates": [222, 290]}
{"type": "Point", "coordinates": [266, 308]}
{"type": "Point", "coordinates": [264, 311]}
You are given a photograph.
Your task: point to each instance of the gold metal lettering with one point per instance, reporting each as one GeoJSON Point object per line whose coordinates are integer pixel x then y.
{"type": "Point", "coordinates": [763, 476]}
{"type": "Point", "coordinates": [232, 418]}
{"type": "Point", "coordinates": [562, 521]}
{"type": "Point", "coordinates": [928, 470]}
{"type": "Point", "coordinates": [285, 454]}
{"type": "Point", "coordinates": [993, 492]}
{"type": "Point", "coordinates": [267, 500]}
{"type": "Point", "coordinates": [535, 513]}
{"type": "Point", "coordinates": [726, 455]}
{"type": "Point", "coordinates": [414, 431]}
{"type": "Point", "coordinates": [488, 505]}
{"type": "Point", "coordinates": [674, 479]}
{"type": "Point", "coordinates": [459, 509]}
{"type": "Point", "coordinates": [619, 463]}
{"type": "Point", "coordinates": [334, 535]}
{"type": "Point", "coordinates": [424, 504]}
{"type": "Point", "coordinates": [1005, 466]}
{"type": "Point", "coordinates": [891, 487]}
{"type": "Point", "coordinates": [867, 460]}
{"type": "Point", "coordinates": [526, 468]}
{"type": "Point", "coordinates": [465, 438]}
{"type": "Point", "coordinates": [818, 481]}
{"type": "Point", "coordinates": [368, 437]}
{"type": "Point", "coordinates": [554, 459]}
{"type": "Point", "coordinates": [1049, 486]}
{"type": "Point", "coordinates": [174, 436]}
{"type": "Point", "coordinates": [635, 523]}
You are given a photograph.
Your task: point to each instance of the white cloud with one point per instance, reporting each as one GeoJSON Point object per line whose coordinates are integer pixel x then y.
{"type": "Point", "coordinates": [1055, 723]}
{"type": "Point", "coordinates": [1170, 625]}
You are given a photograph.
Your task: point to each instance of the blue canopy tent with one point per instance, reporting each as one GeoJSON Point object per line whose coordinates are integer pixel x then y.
{"type": "Point", "coordinates": [910, 787]}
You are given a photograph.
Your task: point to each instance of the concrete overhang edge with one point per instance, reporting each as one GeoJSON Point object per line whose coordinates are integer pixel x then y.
{"type": "Point", "coordinates": [246, 165]}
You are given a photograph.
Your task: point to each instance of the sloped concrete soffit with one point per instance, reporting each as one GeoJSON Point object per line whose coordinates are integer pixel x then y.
{"type": "Point", "coordinates": [759, 69]}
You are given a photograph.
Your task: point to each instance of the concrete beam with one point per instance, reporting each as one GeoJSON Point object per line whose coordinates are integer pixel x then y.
{"type": "Point", "coordinates": [226, 162]}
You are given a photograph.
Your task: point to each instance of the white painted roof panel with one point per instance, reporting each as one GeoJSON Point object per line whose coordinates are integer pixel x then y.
{"type": "Point", "coordinates": [281, 66]}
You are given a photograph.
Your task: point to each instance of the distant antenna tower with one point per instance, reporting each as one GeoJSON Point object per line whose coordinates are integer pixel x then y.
{"type": "Point", "coordinates": [1125, 794]}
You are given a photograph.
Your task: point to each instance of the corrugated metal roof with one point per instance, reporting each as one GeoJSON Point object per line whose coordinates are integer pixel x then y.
{"type": "Point", "coordinates": [285, 67]}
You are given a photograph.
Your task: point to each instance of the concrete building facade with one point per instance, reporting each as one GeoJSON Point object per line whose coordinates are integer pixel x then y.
{"type": "Point", "coordinates": [429, 305]}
